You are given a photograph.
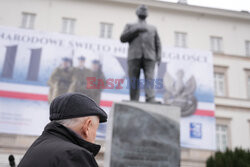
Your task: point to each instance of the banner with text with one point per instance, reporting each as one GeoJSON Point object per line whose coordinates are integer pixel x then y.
{"type": "Point", "coordinates": [29, 59]}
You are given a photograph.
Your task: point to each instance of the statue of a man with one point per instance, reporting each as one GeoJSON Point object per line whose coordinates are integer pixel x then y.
{"type": "Point", "coordinates": [143, 53]}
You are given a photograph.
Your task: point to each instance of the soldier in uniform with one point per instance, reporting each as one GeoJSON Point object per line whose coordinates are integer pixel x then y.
{"type": "Point", "coordinates": [60, 79]}
{"type": "Point", "coordinates": [98, 74]}
{"type": "Point", "coordinates": [144, 51]}
{"type": "Point", "coordinates": [79, 78]}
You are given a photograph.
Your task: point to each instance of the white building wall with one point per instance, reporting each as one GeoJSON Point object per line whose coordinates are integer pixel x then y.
{"type": "Point", "coordinates": [89, 14]}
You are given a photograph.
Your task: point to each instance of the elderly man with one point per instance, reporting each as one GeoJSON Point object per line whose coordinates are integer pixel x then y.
{"type": "Point", "coordinates": [67, 141]}
{"type": "Point", "coordinates": [144, 51]}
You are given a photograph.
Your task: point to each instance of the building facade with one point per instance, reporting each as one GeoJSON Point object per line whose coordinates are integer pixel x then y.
{"type": "Point", "coordinates": [224, 32]}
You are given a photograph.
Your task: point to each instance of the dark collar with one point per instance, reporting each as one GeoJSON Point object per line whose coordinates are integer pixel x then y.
{"type": "Point", "coordinates": [67, 134]}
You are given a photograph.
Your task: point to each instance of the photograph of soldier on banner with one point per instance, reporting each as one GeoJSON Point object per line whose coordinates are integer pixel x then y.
{"type": "Point", "coordinates": [69, 78]}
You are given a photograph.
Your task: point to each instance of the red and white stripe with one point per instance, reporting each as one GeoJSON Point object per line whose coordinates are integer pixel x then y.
{"type": "Point", "coordinates": [30, 92]}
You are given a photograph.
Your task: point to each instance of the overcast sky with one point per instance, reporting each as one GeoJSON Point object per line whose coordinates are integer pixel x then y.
{"type": "Point", "coordinates": [222, 4]}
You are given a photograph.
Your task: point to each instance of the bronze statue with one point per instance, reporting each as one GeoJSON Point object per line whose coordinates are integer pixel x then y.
{"type": "Point", "coordinates": [144, 51]}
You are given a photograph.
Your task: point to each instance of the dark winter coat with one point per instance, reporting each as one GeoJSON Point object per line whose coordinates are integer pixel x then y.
{"type": "Point", "coordinates": [59, 146]}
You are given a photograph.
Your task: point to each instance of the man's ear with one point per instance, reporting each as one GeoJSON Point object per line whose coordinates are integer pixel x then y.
{"type": "Point", "coordinates": [85, 128]}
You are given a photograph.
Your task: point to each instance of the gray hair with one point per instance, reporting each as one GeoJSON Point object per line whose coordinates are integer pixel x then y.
{"type": "Point", "coordinates": [74, 121]}
{"type": "Point", "coordinates": [69, 122]}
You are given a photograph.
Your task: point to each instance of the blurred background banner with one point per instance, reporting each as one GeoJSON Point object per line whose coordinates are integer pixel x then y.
{"type": "Point", "coordinates": [27, 59]}
{"type": "Point", "coordinates": [189, 79]}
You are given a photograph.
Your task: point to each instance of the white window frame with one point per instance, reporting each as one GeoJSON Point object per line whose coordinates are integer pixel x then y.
{"type": "Point", "coordinates": [216, 44]}
{"type": "Point", "coordinates": [68, 25]}
{"type": "Point", "coordinates": [220, 81]}
{"type": "Point", "coordinates": [106, 30]}
{"type": "Point", "coordinates": [28, 20]}
{"type": "Point", "coordinates": [223, 130]}
{"type": "Point", "coordinates": [181, 39]}
{"type": "Point", "coordinates": [248, 87]}
{"type": "Point", "coordinates": [221, 137]}
{"type": "Point", "coordinates": [247, 46]}
{"type": "Point", "coordinates": [247, 83]}
{"type": "Point", "coordinates": [249, 129]}
{"type": "Point", "coordinates": [219, 84]}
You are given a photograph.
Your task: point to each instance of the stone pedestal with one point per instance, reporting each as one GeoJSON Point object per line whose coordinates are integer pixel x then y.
{"type": "Point", "coordinates": [143, 135]}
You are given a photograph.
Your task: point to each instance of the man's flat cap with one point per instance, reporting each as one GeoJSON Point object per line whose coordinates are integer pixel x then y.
{"type": "Point", "coordinates": [74, 105]}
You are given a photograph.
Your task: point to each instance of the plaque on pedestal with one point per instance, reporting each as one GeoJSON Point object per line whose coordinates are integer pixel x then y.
{"type": "Point", "coordinates": [143, 135]}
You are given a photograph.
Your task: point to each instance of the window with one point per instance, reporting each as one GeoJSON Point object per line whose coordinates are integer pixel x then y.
{"type": "Point", "coordinates": [248, 86]}
{"type": "Point", "coordinates": [216, 44]}
{"type": "Point", "coordinates": [219, 84]}
{"type": "Point", "coordinates": [220, 78]}
{"type": "Point", "coordinates": [68, 25]}
{"type": "Point", "coordinates": [247, 43]}
{"type": "Point", "coordinates": [249, 129]}
{"type": "Point", "coordinates": [223, 133]}
{"type": "Point", "coordinates": [181, 39]}
{"type": "Point", "coordinates": [221, 137]}
{"type": "Point", "coordinates": [248, 82]}
{"type": "Point", "coordinates": [106, 30]}
{"type": "Point", "coordinates": [28, 20]}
